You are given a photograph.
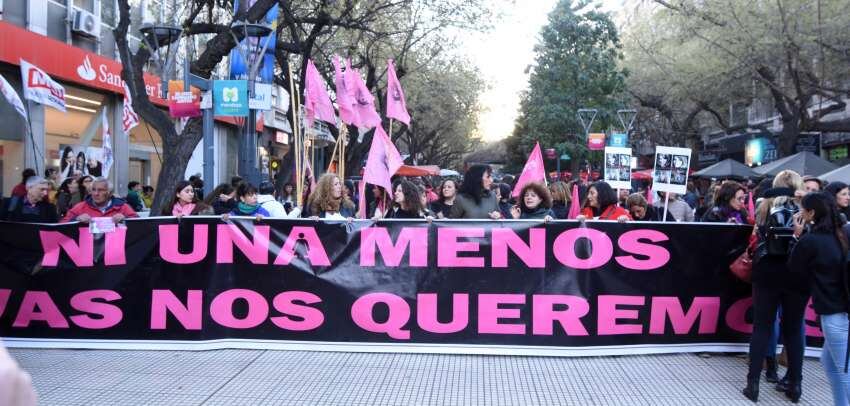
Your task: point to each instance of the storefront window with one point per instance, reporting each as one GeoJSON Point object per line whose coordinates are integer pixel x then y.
{"type": "Point", "coordinates": [11, 165]}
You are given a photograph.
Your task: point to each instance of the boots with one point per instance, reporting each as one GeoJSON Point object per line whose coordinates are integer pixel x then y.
{"type": "Point", "coordinates": [794, 391]}
{"type": "Point", "coordinates": [782, 385]}
{"type": "Point", "coordinates": [770, 370]}
{"type": "Point", "coordinates": [752, 389]}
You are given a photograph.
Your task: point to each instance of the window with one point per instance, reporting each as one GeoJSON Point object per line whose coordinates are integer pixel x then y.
{"type": "Point", "coordinates": [109, 12]}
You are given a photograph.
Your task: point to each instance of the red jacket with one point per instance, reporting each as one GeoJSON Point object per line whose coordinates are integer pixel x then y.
{"type": "Point", "coordinates": [19, 190]}
{"type": "Point", "coordinates": [612, 212]}
{"type": "Point", "coordinates": [87, 206]}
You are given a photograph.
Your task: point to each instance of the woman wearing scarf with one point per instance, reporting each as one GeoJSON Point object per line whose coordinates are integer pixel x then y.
{"type": "Point", "coordinates": [247, 204]}
{"type": "Point", "coordinates": [185, 202]}
{"type": "Point", "coordinates": [535, 203]}
{"type": "Point", "coordinates": [328, 200]}
{"type": "Point", "coordinates": [729, 205]}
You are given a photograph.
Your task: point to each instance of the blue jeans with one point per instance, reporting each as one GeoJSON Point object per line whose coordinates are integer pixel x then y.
{"type": "Point", "coordinates": [834, 328]}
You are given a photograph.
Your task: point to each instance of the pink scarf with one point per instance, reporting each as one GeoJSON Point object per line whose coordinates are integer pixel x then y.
{"type": "Point", "coordinates": [182, 209]}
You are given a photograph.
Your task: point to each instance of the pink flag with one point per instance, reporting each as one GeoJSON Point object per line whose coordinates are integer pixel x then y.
{"type": "Point", "coordinates": [533, 171]}
{"type": "Point", "coordinates": [396, 106]}
{"type": "Point", "coordinates": [649, 196]}
{"type": "Point", "coordinates": [751, 208]}
{"type": "Point", "coordinates": [317, 103]}
{"type": "Point", "coordinates": [575, 204]}
{"type": "Point", "coordinates": [383, 162]}
{"type": "Point", "coordinates": [364, 106]}
{"type": "Point", "coordinates": [344, 95]}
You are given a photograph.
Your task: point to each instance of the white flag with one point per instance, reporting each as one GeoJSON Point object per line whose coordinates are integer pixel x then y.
{"type": "Point", "coordinates": [129, 119]}
{"type": "Point", "coordinates": [12, 97]}
{"type": "Point", "coordinates": [40, 88]}
{"type": "Point", "coordinates": [107, 144]}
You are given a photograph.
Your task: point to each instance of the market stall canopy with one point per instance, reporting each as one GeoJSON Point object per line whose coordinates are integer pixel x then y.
{"type": "Point", "coordinates": [841, 174]}
{"type": "Point", "coordinates": [727, 168]}
{"type": "Point", "coordinates": [424, 170]}
{"type": "Point", "coordinates": [804, 163]}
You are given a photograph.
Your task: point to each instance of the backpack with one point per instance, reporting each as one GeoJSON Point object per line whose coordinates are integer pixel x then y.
{"type": "Point", "coordinates": [780, 230]}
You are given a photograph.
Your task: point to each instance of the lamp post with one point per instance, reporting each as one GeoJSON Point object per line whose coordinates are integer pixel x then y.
{"type": "Point", "coordinates": [159, 38]}
{"type": "Point", "coordinates": [251, 50]}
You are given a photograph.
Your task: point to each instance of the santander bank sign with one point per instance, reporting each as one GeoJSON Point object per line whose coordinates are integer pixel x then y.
{"type": "Point", "coordinates": [66, 63]}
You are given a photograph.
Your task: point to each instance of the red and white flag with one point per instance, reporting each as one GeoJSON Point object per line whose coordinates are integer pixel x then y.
{"type": "Point", "coordinates": [107, 143]}
{"type": "Point", "coordinates": [129, 118]}
{"type": "Point", "coordinates": [12, 97]}
{"type": "Point", "coordinates": [40, 88]}
{"type": "Point", "coordinates": [533, 171]}
{"type": "Point", "coordinates": [317, 103]}
{"type": "Point", "coordinates": [396, 106]}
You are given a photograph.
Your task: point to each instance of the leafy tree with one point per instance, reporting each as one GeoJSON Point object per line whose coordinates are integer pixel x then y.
{"type": "Point", "coordinates": [787, 59]}
{"type": "Point", "coordinates": [576, 67]}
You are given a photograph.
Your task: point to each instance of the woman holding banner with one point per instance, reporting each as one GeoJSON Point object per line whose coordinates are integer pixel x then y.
{"type": "Point", "coordinates": [535, 203]}
{"type": "Point", "coordinates": [185, 202]}
{"type": "Point", "coordinates": [328, 200]}
{"type": "Point", "coordinates": [407, 202]}
{"type": "Point", "coordinates": [601, 204]}
{"type": "Point", "coordinates": [774, 284]}
{"type": "Point", "coordinates": [821, 254]}
{"type": "Point", "coordinates": [446, 194]}
{"type": "Point", "coordinates": [247, 204]}
{"type": "Point", "coordinates": [475, 200]}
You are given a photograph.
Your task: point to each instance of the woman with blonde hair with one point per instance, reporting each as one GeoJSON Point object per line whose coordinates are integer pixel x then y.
{"type": "Point", "coordinates": [328, 200]}
{"type": "Point", "coordinates": [774, 285]}
{"type": "Point", "coordinates": [560, 199]}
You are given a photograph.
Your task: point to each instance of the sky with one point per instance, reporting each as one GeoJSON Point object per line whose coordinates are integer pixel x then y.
{"type": "Point", "coordinates": [502, 56]}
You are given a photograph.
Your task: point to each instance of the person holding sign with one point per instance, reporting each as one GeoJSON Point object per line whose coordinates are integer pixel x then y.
{"type": "Point", "coordinates": [99, 204]}
{"type": "Point", "coordinates": [535, 203]}
{"type": "Point", "coordinates": [601, 204]}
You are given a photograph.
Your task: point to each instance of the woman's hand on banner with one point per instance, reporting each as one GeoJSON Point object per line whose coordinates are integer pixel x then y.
{"type": "Point", "coordinates": [515, 211]}
{"type": "Point", "coordinates": [622, 219]}
{"type": "Point", "coordinates": [495, 215]}
{"type": "Point", "coordinates": [225, 217]}
{"type": "Point", "coordinates": [547, 219]}
{"type": "Point", "coordinates": [259, 218]}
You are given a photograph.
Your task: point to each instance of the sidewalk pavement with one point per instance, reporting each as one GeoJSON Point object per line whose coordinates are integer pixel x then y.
{"type": "Point", "coordinates": [257, 377]}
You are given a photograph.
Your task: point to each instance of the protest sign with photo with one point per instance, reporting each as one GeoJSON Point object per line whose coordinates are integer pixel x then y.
{"type": "Point", "coordinates": [76, 161]}
{"type": "Point", "coordinates": [618, 167]}
{"type": "Point", "coordinates": [671, 169]}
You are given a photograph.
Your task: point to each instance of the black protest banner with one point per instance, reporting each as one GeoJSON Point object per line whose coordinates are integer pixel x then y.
{"type": "Point", "coordinates": [449, 286]}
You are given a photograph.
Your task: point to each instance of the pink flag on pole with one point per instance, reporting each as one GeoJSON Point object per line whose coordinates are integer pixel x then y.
{"type": "Point", "coordinates": [344, 95]}
{"type": "Point", "coordinates": [575, 204]}
{"type": "Point", "coordinates": [364, 102]}
{"type": "Point", "coordinates": [649, 196]}
{"type": "Point", "coordinates": [383, 162]}
{"type": "Point", "coordinates": [317, 103]}
{"type": "Point", "coordinates": [533, 171]}
{"type": "Point", "coordinates": [396, 106]}
{"type": "Point", "coordinates": [751, 208]}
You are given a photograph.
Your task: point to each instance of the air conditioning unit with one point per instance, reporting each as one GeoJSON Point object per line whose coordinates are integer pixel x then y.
{"type": "Point", "coordinates": [86, 23]}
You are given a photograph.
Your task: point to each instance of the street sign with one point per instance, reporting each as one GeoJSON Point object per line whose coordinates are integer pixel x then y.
{"type": "Point", "coordinates": [620, 140]}
{"type": "Point", "coordinates": [230, 98]}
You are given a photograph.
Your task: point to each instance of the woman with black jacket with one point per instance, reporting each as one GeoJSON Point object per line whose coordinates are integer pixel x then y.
{"type": "Point", "coordinates": [407, 202]}
{"type": "Point", "coordinates": [775, 285]}
{"type": "Point", "coordinates": [841, 193]}
{"type": "Point", "coordinates": [821, 254]}
{"type": "Point", "coordinates": [534, 203]}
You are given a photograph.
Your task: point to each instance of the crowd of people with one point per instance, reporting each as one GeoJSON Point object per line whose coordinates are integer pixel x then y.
{"type": "Point", "coordinates": [799, 244]}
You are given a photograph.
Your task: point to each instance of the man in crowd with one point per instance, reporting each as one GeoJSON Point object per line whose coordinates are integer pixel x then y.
{"type": "Point", "coordinates": [100, 203]}
{"type": "Point", "coordinates": [266, 200]}
{"type": "Point", "coordinates": [32, 207]}
{"type": "Point", "coordinates": [134, 199]}
{"type": "Point", "coordinates": [812, 184]}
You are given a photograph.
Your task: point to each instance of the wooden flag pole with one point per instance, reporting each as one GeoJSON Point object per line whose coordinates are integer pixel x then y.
{"type": "Point", "coordinates": [302, 145]}
{"type": "Point", "coordinates": [296, 135]}
{"type": "Point", "coordinates": [343, 139]}
{"type": "Point", "coordinates": [666, 203]}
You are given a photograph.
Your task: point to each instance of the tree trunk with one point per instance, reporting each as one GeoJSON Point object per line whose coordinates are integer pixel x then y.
{"type": "Point", "coordinates": [175, 158]}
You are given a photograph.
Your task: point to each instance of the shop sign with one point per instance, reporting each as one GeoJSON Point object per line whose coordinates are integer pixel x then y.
{"type": "Point", "coordinates": [68, 63]}
{"type": "Point", "coordinates": [262, 98]}
{"type": "Point", "coordinates": [619, 140]}
{"type": "Point", "coordinates": [838, 153]}
{"type": "Point", "coordinates": [596, 141]}
{"type": "Point", "coordinates": [183, 104]}
{"type": "Point", "coordinates": [230, 98]}
{"type": "Point", "coordinates": [808, 142]}
{"type": "Point", "coordinates": [759, 151]}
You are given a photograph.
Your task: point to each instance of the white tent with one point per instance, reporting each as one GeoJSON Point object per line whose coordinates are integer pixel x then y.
{"type": "Point", "coordinates": [841, 174]}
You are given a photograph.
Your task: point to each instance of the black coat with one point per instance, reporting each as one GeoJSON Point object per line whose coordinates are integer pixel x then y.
{"type": "Point", "coordinates": [16, 209]}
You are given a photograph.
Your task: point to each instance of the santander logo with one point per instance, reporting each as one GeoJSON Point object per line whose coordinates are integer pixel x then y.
{"type": "Point", "coordinates": [86, 71]}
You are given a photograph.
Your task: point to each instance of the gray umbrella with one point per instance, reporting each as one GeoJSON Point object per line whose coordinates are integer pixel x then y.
{"type": "Point", "coordinates": [804, 163]}
{"type": "Point", "coordinates": [727, 168]}
{"type": "Point", "coordinates": [841, 174]}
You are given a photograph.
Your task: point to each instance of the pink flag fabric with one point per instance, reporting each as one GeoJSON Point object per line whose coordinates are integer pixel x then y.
{"type": "Point", "coordinates": [575, 204]}
{"type": "Point", "coordinates": [649, 196]}
{"type": "Point", "coordinates": [364, 102]}
{"type": "Point", "coordinates": [317, 103]}
{"type": "Point", "coordinates": [396, 105]}
{"type": "Point", "coordinates": [533, 171]}
{"type": "Point", "coordinates": [345, 97]}
{"type": "Point", "coordinates": [751, 208]}
{"type": "Point", "coordinates": [383, 162]}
